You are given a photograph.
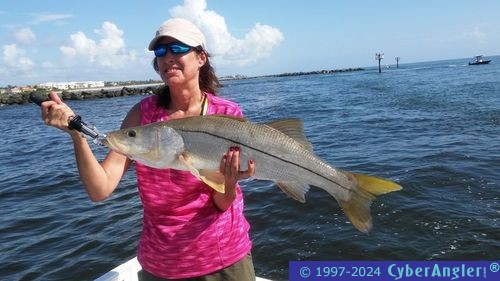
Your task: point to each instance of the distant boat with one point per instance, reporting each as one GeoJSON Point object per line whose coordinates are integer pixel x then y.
{"type": "Point", "coordinates": [479, 60]}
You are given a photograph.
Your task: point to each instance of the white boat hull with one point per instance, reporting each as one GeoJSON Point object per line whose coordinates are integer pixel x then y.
{"type": "Point", "coordinates": [128, 272]}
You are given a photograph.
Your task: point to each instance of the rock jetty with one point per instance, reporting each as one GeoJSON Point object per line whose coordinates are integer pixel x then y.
{"type": "Point", "coordinates": [332, 71]}
{"type": "Point", "coordinates": [84, 94]}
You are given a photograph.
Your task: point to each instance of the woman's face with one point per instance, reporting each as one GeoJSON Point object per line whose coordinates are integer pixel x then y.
{"type": "Point", "coordinates": [179, 69]}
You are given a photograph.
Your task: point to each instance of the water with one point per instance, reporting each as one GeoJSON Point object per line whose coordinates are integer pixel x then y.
{"type": "Point", "coordinates": [432, 127]}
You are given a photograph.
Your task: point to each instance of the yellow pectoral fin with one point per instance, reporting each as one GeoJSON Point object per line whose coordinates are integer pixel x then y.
{"type": "Point", "coordinates": [214, 179]}
{"type": "Point", "coordinates": [184, 159]}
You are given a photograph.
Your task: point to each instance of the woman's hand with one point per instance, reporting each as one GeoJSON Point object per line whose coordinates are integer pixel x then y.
{"type": "Point", "coordinates": [56, 113]}
{"type": "Point", "coordinates": [230, 168]}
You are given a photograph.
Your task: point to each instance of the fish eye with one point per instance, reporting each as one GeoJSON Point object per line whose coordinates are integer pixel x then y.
{"type": "Point", "coordinates": [132, 133]}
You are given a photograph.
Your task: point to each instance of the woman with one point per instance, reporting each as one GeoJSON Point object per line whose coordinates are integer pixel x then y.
{"type": "Point", "coordinates": [190, 231]}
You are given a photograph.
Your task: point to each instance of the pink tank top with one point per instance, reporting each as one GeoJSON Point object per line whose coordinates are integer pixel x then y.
{"type": "Point", "coordinates": [184, 234]}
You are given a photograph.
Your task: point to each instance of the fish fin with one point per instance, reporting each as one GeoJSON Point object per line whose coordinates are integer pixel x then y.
{"type": "Point", "coordinates": [294, 189]}
{"type": "Point", "coordinates": [293, 128]}
{"type": "Point", "coordinates": [184, 159]}
{"type": "Point", "coordinates": [214, 179]}
{"type": "Point", "coordinates": [375, 185]}
{"type": "Point", "coordinates": [357, 208]}
{"type": "Point", "coordinates": [208, 177]}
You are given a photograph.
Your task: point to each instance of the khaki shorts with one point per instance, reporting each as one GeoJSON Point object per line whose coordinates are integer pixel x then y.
{"type": "Point", "coordinates": [240, 271]}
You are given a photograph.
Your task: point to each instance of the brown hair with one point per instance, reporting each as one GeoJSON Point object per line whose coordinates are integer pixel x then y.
{"type": "Point", "coordinates": [208, 81]}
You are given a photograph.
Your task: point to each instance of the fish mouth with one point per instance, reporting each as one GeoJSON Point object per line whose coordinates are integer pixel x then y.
{"type": "Point", "coordinates": [111, 144]}
{"type": "Point", "coordinates": [105, 142]}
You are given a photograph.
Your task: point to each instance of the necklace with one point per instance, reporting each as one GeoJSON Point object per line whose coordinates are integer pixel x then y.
{"type": "Point", "coordinates": [204, 105]}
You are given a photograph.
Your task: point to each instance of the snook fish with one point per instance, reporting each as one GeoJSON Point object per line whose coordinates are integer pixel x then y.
{"type": "Point", "coordinates": [280, 150]}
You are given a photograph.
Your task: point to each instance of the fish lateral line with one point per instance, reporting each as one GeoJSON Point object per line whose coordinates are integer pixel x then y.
{"type": "Point", "coordinates": [264, 152]}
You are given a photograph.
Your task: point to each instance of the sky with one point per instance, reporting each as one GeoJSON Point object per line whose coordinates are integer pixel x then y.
{"type": "Point", "coordinates": [106, 40]}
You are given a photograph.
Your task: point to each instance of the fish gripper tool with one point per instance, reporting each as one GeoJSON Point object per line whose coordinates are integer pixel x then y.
{"type": "Point", "coordinates": [74, 123]}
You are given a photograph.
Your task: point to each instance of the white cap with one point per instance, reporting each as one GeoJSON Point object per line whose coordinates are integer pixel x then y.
{"type": "Point", "coordinates": [182, 30]}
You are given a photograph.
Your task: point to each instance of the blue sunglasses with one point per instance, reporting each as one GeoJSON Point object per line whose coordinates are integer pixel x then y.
{"type": "Point", "coordinates": [176, 48]}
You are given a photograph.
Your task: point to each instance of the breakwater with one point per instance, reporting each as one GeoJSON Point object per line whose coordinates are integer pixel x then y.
{"type": "Point", "coordinates": [287, 74]}
{"type": "Point", "coordinates": [84, 94]}
{"type": "Point", "coordinates": [331, 71]}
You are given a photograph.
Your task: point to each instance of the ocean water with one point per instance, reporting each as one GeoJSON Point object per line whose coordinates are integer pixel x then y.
{"type": "Point", "coordinates": [432, 127]}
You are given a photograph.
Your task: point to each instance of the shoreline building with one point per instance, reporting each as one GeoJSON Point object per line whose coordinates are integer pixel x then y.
{"type": "Point", "coordinates": [71, 85]}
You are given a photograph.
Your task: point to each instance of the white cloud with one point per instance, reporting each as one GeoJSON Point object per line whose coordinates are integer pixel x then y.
{"type": "Point", "coordinates": [110, 52]}
{"type": "Point", "coordinates": [81, 48]}
{"type": "Point", "coordinates": [14, 64]}
{"type": "Point", "coordinates": [15, 60]}
{"type": "Point", "coordinates": [228, 50]}
{"type": "Point", "coordinates": [43, 18]}
{"type": "Point", "coordinates": [25, 36]}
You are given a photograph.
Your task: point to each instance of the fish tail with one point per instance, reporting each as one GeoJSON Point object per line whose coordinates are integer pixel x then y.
{"type": "Point", "coordinates": [357, 208]}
